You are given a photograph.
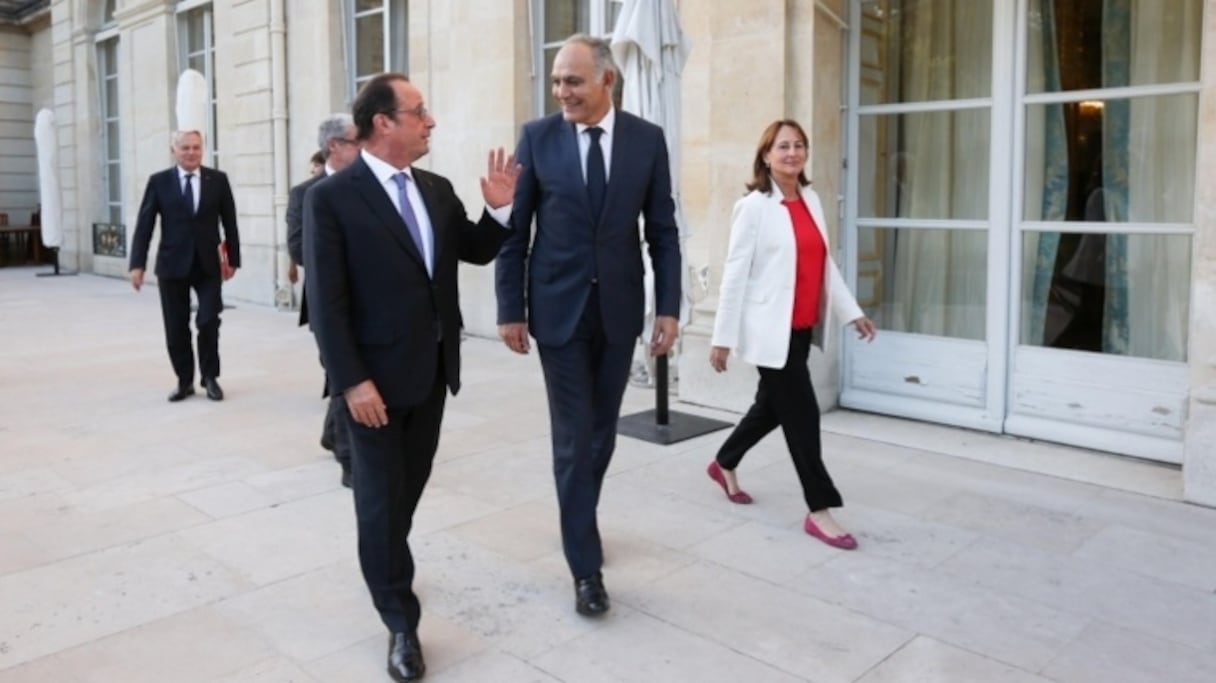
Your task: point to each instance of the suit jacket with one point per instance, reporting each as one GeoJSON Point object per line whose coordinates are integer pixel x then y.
{"type": "Point", "coordinates": [182, 231]}
{"type": "Point", "coordinates": [295, 234]}
{"type": "Point", "coordinates": [374, 310]}
{"type": "Point", "coordinates": [756, 298]}
{"type": "Point", "coordinates": [572, 248]}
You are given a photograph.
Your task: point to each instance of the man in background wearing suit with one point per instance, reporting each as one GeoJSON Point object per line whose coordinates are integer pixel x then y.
{"type": "Point", "coordinates": [381, 242]}
{"type": "Point", "coordinates": [339, 143]}
{"type": "Point", "coordinates": [588, 173]}
{"type": "Point", "coordinates": [193, 202]}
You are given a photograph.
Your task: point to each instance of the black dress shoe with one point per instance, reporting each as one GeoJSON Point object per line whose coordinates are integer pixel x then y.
{"type": "Point", "coordinates": [590, 598]}
{"type": "Point", "coordinates": [214, 392]}
{"type": "Point", "coordinates": [181, 392]}
{"type": "Point", "coordinates": [346, 481]}
{"type": "Point", "coordinates": [405, 657]}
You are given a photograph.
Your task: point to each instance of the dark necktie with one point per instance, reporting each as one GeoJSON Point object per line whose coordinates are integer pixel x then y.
{"type": "Point", "coordinates": [188, 193]}
{"type": "Point", "coordinates": [407, 214]}
{"type": "Point", "coordinates": [597, 185]}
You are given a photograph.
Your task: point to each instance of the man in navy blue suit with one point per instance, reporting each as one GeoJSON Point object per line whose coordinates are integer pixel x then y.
{"type": "Point", "coordinates": [193, 202]}
{"type": "Point", "coordinates": [589, 172]}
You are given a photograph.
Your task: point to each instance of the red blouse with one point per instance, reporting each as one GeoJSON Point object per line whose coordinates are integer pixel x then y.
{"type": "Point", "coordinates": [812, 255]}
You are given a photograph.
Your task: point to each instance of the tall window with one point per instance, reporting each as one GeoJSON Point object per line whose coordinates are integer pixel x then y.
{"type": "Point", "coordinates": [107, 15]}
{"type": "Point", "coordinates": [111, 159]}
{"type": "Point", "coordinates": [555, 20]}
{"type": "Point", "coordinates": [377, 33]}
{"type": "Point", "coordinates": [196, 41]}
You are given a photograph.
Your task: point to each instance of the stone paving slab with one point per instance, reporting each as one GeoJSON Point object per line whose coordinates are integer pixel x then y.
{"type": "Point", "coordinates": [201, 541]}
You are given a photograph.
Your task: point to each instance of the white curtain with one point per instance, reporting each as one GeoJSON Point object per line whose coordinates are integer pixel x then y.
{"type": "Point", "coordinates": [1161, 175]}
{"type": "Point", "coordinates": [939, 283]}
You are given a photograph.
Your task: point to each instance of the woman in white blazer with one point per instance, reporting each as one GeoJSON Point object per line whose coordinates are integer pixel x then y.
{"type": "Point", "coordinates": [780, 288]}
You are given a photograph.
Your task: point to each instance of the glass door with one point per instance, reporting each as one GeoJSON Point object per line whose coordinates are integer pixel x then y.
{"type": "Point", "coordinates": [928, 259]}
{"type": "Point", "coordinates": [1021, 214]}
{"type": "Point", "coordinates": [1107, 129]}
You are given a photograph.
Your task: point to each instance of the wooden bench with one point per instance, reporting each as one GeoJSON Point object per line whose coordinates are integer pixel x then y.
{"type": "Point", "coordinates": [18, 243]}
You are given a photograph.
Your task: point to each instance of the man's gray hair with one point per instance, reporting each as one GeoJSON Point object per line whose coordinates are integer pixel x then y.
{"type": "Point", "coordinates": [333, 127]}
{"type": "Point", "coordinates": [601, 52]}
{"type": "Point", "coordinates": [179, 134]}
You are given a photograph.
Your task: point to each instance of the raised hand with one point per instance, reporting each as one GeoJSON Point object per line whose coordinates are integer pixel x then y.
{"type": "Point", "coordinates": [498, 184]}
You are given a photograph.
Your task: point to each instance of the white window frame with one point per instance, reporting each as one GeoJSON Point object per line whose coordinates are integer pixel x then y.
{"type": "Point", "coordinates": [597, 12]}
{"type": "Point", "coordinates": [207, 51]}
{"type": "Point", "coordinates": [395, 47]}
{"type": "Point", "coordinates": [111, 167]}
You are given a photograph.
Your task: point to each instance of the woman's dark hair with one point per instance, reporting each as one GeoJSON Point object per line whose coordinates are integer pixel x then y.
{"type": "Point", "coordinates": [760, 172]}
{"type": "Point", "coordinates": [375, 97]}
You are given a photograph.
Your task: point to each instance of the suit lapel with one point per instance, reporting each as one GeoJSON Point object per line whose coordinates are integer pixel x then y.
{"type": "Point", "coordinates": [430, 198]}
{"type": "Point", "coordinates": [368, 187]}
{"type": "Point", "coordinates": [574, 165]}
{"type": "Point", "coordinates": [616, 177]}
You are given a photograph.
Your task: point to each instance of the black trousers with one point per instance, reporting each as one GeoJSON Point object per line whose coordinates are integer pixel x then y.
{"type": "Point", "coordinates": [175, 309]}
{"type": "Point", "coordinates": [390, 468]}
{"type": "Point", "coordinates": [585, 379]}
{"type": "Point", "coordinates": [786, 399]}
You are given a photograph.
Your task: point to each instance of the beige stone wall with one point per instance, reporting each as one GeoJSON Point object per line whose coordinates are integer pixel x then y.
{"type": "Point", "coordinates": [470, 59]}
{"type": "Point", "coordinates": [1199, 465]}
{"type": "Point", "coordinates": [752, 64]}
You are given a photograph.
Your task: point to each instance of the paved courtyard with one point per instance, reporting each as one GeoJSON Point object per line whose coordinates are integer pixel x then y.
{"type": "Point", "coordinates": [201, 541]}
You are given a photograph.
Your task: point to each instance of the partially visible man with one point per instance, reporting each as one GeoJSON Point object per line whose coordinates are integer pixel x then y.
{"type": "Point", "coordinates": [589, 172]}
{"type": "Point", "coordinates": [381, 244]}
{"type": "Point", "coordinates": [193, 203]}
{"type": "Point", "coordinates": [339, 144]}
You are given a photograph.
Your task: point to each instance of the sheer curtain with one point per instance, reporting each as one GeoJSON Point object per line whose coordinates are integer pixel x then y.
{"type": "Point", "coordinates": [941, 276]}
{"type": "Point", "coordinates": [1159, 154]}
{"type": "Point", "coordinates": [1148, 164]}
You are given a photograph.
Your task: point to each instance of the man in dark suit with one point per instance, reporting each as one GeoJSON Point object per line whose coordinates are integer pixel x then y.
{"type": "Point", "coordinates": [588, 173]}
{"type": "Point", "coordinates": [193, 202]}
{"type": "Point", "coordinates": [381, 243]}
{"type": "Point", "coordinates": [339, 147]}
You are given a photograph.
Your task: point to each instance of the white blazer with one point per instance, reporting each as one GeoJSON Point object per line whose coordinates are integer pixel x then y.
{"type": "Point", "coordinates": [756, 299]}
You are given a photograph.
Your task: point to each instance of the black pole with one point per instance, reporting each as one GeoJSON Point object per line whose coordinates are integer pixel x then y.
{"type": "Point", "coordinates": [661, 415]}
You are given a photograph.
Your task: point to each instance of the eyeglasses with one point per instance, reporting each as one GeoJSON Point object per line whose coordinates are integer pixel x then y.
{"type": "Point", "coordinates": [420, 111]}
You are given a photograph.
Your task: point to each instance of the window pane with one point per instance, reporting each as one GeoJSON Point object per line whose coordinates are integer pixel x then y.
{"type": "Point", "coordinates": [550, 104]}
{"type": "Point", "coordinates": [114, 179]}
{"type": "Point", "coordinates": [113, 141]}
{"type": "Point", "coordinates": [198, 62]}
{"type": "Point", "coordinates": [930, 165]}
{"type": "Point", "coordinates": [614, 10]}
{"type": "Point", "coordinates": [107, 14]}
{"type": "Point", "coordinates": [111, 104]}
{"type": "Point", "coordinates": [109, 60]}
{"type": "Point", "coordinates": [1086, 44]}
{"type": "Point", "coordinates": [1112, 160]}
{"type": "Point", "coordinates": [194, 30]}
{"type": "Point", "coordinates": [1108, 293]}
{"type": "Point", "coordinates": [116, 214]}
{"type": "Point", "coordinates": [364, 5]}
{"type": "Point", "coordinates": [921, 50]}
{"type": "Point", "coordinates": [924, 281]}
{"type": "Point", "coordinates": [565, 17]}
{"type": "Point", "coordinates": [369, 44]}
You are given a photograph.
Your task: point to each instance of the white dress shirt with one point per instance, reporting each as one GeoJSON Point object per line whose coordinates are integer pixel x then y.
{"type": "Point", "coordinates": [584, 143]}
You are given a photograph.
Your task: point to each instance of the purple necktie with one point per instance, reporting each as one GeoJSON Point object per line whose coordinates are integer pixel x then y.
{"type": "Point", "coordinates": [407, 215]}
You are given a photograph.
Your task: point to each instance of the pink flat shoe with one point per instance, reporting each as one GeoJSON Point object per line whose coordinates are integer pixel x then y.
{"type": "Point", "coordinates": [715, 473]}
{"type": "Point", "coordinates": [845, 542]}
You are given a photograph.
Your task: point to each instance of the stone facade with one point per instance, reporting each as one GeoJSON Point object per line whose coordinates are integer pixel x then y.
{"type": "Point", "coordinates": [280, 68]}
